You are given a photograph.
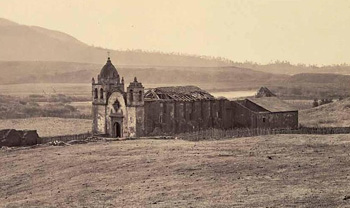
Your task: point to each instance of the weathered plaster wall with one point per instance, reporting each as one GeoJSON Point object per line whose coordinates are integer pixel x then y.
{"type": "Point", "coordinates": [99, 123]}
{"type": "Point", "coordinates": [131, 120]}
{"type": "Point", "coordinates": [117, 96]}
{"type": "Point", "coordinates": [140, 121]}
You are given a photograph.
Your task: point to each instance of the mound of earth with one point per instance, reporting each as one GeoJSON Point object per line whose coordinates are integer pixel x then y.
{"type": "Point", "coordinates": [336, 114]}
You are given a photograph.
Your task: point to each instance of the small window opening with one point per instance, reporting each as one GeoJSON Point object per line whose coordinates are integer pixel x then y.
{"type": "Point", "coordinates": [101, 93]}
{"type": "Point", "coordinates": [96, 93]}
{"type": "Point", "coordinates": [131, 95]}
{"type": "Point", "coordinates": [140, 96]}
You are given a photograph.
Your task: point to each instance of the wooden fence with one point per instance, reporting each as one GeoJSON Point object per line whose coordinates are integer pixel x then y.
{"type": "Point", "coordinates": [65, 138]}
{"type": "Point", "coordinates": [216, 134]}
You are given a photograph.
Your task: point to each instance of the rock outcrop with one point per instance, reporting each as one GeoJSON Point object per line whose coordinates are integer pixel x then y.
{"type": "Point", "coordinates": [16, 138]}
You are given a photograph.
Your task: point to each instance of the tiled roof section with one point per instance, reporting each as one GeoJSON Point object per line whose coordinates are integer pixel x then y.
{"type": "Point", "coordinates": [272, 104]}
{"type": "Point", "coordinates": [179, 93]}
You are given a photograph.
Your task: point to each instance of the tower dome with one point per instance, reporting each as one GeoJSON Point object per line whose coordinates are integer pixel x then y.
{"type": "Point", "coordinates": [108, 71]}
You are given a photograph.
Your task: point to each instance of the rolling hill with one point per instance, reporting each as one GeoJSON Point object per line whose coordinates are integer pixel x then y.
{"type": "Point", "coordinates": [336, 114]}
{"type": "Point", "coordinates": [314, 86]}
{"type": "Point", "coordinates": [284, 67]}
{"type": "Point", "coordinates": [69, 72]}
{"type": "Point", "coordinates": [33, 54]}
{"type": "Point", "coordinates": [32, 43]}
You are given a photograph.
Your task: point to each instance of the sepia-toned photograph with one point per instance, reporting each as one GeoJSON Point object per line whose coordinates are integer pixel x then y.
{"type": "Point", "coordinates": [174, 103]}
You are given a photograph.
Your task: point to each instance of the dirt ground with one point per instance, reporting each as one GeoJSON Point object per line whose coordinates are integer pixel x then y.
{"type": "Point", "coordinates": [267, 171]}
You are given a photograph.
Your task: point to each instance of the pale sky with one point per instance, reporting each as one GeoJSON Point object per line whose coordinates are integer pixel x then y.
{"type": "Point", "coordinates": [299, 31]}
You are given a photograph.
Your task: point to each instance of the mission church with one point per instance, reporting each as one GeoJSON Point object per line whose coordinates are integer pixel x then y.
{"type": "Point", "coordinates": [172, 110]}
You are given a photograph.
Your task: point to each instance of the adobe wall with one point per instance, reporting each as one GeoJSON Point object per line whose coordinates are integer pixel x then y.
{"type": "Point", "coordinates": [171, 117]}
{"type": "Point", "coordinates": [243, 117]}
{"type": "Point", "coordinates": [279, 120]}
{"type": "Point", "coordinates": [246, 117]}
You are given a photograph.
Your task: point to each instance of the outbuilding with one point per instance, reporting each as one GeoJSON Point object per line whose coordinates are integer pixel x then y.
{"type": "Point", "coordinates": [265, 112]}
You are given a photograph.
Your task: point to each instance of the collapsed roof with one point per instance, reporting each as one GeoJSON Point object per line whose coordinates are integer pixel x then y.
{"type": "Point", "coordinates": [178, 93]}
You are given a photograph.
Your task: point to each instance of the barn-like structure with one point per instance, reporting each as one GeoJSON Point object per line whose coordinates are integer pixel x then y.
{"type": "Point", "coordinates": [265, 112]}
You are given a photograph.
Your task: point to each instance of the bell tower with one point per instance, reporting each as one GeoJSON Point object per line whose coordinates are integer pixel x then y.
{"type": "Point", "coordinates": [135, 94]}
{"type": "Point", "coordinates": [135, 105]}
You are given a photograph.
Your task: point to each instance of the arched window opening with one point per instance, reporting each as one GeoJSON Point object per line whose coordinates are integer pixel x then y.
{"type": "Point", "coordinates": [131, 95]}
{"type": "Point", "coordinates": [95, 94]}
{"type": "Point", "coordinates": [140, 95]}
{"type": "Point", "coordinates": [116, 105]}
{"type": "Point", "coordinates": [101, 93]}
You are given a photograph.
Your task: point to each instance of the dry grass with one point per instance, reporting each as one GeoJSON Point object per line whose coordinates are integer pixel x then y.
{"type": "Point", "coordinates": [336, 114]}
{"type": "Point", "coordinates": [268, 171]}
{"type": "Point", "coordinates": [83, 107]}
{"type": "Point", "coordinates": [49, 126]}
{"type": "Point", "coordinates": [300, 104]}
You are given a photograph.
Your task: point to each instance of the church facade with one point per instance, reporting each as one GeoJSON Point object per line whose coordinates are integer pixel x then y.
{"type": "Point", "coordinates": [171, 110]}
{"type": "Point", "coordinates": [116, 112]}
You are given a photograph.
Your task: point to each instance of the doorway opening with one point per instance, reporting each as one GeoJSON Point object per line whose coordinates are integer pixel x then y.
{"type": "Point", "coordinates": [118, 130]}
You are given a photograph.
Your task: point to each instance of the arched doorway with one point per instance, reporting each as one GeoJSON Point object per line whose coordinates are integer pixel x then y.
{"type": "Point", "coordinates": [118, 130]}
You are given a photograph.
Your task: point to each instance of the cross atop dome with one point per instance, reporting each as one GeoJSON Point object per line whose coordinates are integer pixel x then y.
{"type": "Point", "coordinates": [109, 71]}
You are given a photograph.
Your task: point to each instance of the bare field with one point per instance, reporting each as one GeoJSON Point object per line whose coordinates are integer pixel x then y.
{"type": "Point", "coordinates": [49, 126]}
{"type": "Point", "coordinates": [266, 171]}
